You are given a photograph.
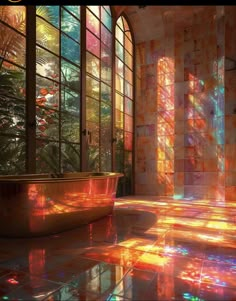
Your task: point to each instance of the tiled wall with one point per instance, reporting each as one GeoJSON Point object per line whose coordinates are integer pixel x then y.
{"type": "Point", "coordinates": [181, 96]}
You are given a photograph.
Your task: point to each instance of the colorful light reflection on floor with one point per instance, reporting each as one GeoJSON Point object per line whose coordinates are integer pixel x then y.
{"type": "Point", "coordinates": [148, 249]}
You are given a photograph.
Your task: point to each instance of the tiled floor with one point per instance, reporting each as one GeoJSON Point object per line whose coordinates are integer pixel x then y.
{"type": "Point", "coordinates": [148, 249]}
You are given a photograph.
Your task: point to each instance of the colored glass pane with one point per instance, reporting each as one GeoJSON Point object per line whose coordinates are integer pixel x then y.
{"type": "Point", "coordinates": [119, 35]}
{"type": "Point", "coordinates": [106, 73]}
{"type": "Point", "coordinates": [128, 106]}
{"type": "Point", "coordinates": [74, 9]}
{"type": "Point", "coordinates": [119, 50]}
{"type": "Point", "coordinates": [106, 55]}
{"type": "Point", "coordinates": [92, 87]}
{"type": "Point", "coordinates": [119, 119]}
{"type": "Point", "coordinates": [92, 23]}
{"type": "Point", "coordinates": [128, 90]}
{"type": "Point", "coordinates": [70, 75]}
{"type": "Point", "coordinates": [92, 110]}
{"type": "Point", "coordinates": [119, 102]}
{"type": "Point", "coordinates": [92, 65]}
{"type": "Point", "coordinates": [47, 64]}
{"type": "Point", "coordinates": [105, 93]}
{"type": "Point", "coordinates": [128, 123]}
{"type": "Point", "coordinates": [128, 75]}
{"type": "Point", "coordinates": [95, 9]}
{"type": "Point", "coordinates": [14, 16]}
{"type": "Point", "coordinates": [70, 25]}
{"type": "Point", "coordinates": [70, 49]}
{"type": "Point", "coordinates": [119, 84]}
{"type": "Point", "coordinates": [106, 36]}
{"type": "Point", "coordinates": [47, 35]}
{"type": "Point", "coordinates": [128, 45]}
{"type": "Point", "coordinates": [49, 13]}
{"type": "Point", "coordinates": [70, 100]}
{"type": "Point", "coordinates": [119, 67]}
{"type": "Point", "coordinates": [92, 43]}
{"type": "Point", "coordinates": [12, 45]}
{"type": "Point", "coordinates": [47, 93]}
{"type": "Point", "coordinates": [106, 18]}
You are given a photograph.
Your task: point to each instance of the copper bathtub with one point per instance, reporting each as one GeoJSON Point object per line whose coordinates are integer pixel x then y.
{"type": "Point", "coordinates": [44, 204]}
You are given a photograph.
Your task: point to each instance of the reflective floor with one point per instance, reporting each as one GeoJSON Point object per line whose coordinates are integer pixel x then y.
{"type": "Point", "coordinates": [148, 249]}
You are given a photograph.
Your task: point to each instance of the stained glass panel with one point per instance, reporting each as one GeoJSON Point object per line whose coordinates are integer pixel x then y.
{"type": "Point", "coordinates": [14, 16]}
{"type": "Point", "coordinates": [92, 110]}
{"type": "Point", "coordinates": [106, 55]}
{"type": "Point", "coordinates": [47, 64]}
{"type": "Point", "coordinates": [70, 49]}
{"type": "Point", "coordinates": [95, 9]}
{"type": "Point", "coordinates": [70, 75]}
{"type": "Point", "coordinates": [128, 75]}
{"type": "Point", "coordinates": [92, 43]}
{"type": "Point", "coordinates": [119, 67]}
{"type": "Point", "coordinates": [47, 36]}
{"type": "Point", "coordinates": [92, 87]}
{"type": "Point", "coordinates": [70, 100]}
{"type": "Point", "coordinates": [47, 93]}
{"type": "Point", "coordinates": [119, 84]}
{"type": "Point", "coordinates": [105, 115]}
{"type": "Point", "coordinates": [47, 123]}
{"type": "Point", "coordinates": [70, 25]}
{"type": "Point", "coordinates": [12, 46]}
{"type": "Point", "coordinates": [92, 65]}
{"type": "Point", "coordinates": [128, 106]}
{"type": "Point", "coordinates": [70, 127]}
{"type": "Point", "coordinates": [128, 123]}
{"type": "Point", "coordinates": [119, 119]}
{"type": "Point", "coordinates": [128, 60]}
{"type": "Point", "coordinates": [106, 73]}
{"type": "Point", "coordinates": [74, 9]}
{"type": "Point", "coordinates": [106, 18]}
{"type": "Point", "coordinates": [128, 45]}
{"type": "Point", "coordinates": [92, 23]}
{"type": "Point", "coordinates": [49, 13]}
{"type": "Point", "coordinates": [119, 102]}
{"type": "Point", "coordinates": [119, 51]}
{"type": "Point", "coordinates": [105, 93]}
{"type": "Point", "coordinates": [119, 35]}
{"type": "Point", "coordinates": [128, 90]}
{"type": "Point", "coordinates": [106, 36]}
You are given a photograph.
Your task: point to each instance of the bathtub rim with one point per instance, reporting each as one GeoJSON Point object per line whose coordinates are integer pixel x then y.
{"type": "Point", "coordinates": [55, 178]}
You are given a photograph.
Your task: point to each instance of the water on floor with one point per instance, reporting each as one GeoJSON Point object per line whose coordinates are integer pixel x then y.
{"type": "Point", "coordinates": [148, 249]}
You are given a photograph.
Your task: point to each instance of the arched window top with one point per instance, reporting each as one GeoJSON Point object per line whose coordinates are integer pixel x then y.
{"type": "Point", "coordinates": [122, 23]}
{"type": "Point", "coordinates": [123, 34]}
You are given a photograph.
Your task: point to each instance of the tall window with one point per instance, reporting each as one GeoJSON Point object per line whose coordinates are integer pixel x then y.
{"type": "Point", "coordinates": [99, 87]}
{"type": "Point", "coordinates": [57, 88]}
{"type": "Point", "coordinates": [124, 101]}
{"type": "Point", "coordinates": [12, 89]}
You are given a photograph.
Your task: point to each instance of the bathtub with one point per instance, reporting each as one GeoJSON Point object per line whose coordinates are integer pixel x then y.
{"type": "Point", "coordinates": [45, 204]}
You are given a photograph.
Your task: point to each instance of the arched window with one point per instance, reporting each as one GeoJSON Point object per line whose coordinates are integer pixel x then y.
{"type": "Point", "coordinates": [124, 100]}
{"type": "Point", "coordinates": [57, 90]}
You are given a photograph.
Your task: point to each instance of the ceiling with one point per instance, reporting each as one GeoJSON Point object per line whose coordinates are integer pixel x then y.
{"type": "Point", "coordinates": [148, 22]}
